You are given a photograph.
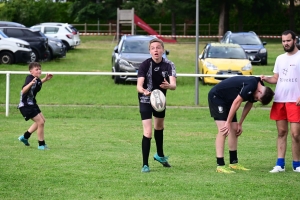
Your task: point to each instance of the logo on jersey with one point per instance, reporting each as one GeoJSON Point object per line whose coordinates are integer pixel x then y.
{"type": "Point", "coordinates": [156, 69]}
{"type": "Point", "coordinates": [220, 109]}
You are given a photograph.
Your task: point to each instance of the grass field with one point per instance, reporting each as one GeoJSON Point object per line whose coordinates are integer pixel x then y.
{"type": "Point", "coordinates": [94, 131]}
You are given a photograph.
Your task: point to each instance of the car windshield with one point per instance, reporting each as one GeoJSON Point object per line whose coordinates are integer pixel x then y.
{"type": "Point", "coordinates": [3, 35]}
{"type": "Point", "coordinates": [136, 47]}
{"type": "Point", "coordinates": [226, 52]}
{"type": "Point", "coordinates": [245, 39]}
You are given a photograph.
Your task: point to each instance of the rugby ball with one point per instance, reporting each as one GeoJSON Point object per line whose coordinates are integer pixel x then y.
{"type": "Point", "coordinates": [158, 100]}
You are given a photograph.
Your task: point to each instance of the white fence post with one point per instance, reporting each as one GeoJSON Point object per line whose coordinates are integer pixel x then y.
{"type": "Point", "coordinates": [7, 94]}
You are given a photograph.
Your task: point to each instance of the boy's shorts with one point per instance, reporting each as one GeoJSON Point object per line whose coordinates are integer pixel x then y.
{"type": "Point", "coordinates": [219, 110]}
{"type": "Point", "coordinates": [285, 111]}
{"type": "Point", "coordinates": [30, 112]}
{"type": "Point", "coordinates": [147, 111]}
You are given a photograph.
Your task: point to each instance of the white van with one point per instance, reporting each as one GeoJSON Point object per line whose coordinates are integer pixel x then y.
{"type": "Point", "coordinates": [13, 50]}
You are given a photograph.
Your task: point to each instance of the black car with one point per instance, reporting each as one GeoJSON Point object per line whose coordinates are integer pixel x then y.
{"type": "Point", "coordinates": [128, 55]}
{"type": "Point", "coordinates": [38, 41]}
{"type": "Point", "coordinates": [250, 42]}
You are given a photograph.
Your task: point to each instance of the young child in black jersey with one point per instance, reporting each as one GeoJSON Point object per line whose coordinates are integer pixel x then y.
{"type": "Point", "coordinates": [154, 73]}
{"type": "Point", "coordinates": [28, 105]}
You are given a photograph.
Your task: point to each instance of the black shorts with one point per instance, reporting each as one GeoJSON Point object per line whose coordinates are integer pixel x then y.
{"type": "Point", "coordinates": [219, 110]}
{"type": "Point", "coordinates": [30, 112]}
{"type": "Point", "coordinates": [147, 111]}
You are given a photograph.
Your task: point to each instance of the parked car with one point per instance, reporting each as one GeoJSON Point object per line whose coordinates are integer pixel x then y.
{"type": "Point", "coordinates": [251, 43]}
{"type": "Point", "coordinates": [10, 24]}
{"type": "Point", "coordinates": [38, 41]}
{"type": "Point", "coordinates": [64, 31]}
{"type": "Point", "coordinates": [223, 59]}
{"type": "Point", "coordinates": [13, 50]}
{"type": "Point", "coordinates": [128, 55]}
{"type": "Point", "coordinates": [56, 48]}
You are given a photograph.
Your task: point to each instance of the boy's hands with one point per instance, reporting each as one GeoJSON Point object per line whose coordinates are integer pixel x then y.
{"type": "Point", "coordinates": [48, 76]}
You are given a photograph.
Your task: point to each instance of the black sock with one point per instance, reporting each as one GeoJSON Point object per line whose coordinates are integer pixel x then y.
{"type": "Point", "coordinates": [220, 161]}
{"type": "Point", "coordinates": [233, 157]}
{"type": "Point", "coordinates": [159, 140]}
{"type": "Point", "coordinates": [146, 144]}
{"type": "Point", "coordinates": [27, 135]}
{"type": "Point", "coordinates": [42, 143]}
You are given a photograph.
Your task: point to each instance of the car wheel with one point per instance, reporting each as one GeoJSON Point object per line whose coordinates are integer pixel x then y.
{"type": "Point", "coordinates": [34, 56]}
{"type": "Point", "coordinates": [202, 79]}
{"type": "Point", "coordinates": [264, 62]}
{"type": "Point", "coordinates": [50, 56]}
{"type": "Point", "coordinates": [117, 79]}
{"type": "Point", "coordinates": [6, 58]}
{"type": "Point", "coordinates": [67, 45]}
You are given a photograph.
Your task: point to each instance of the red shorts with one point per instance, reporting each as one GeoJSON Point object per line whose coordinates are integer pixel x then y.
{"type": "Point", "coordinates": [285, 111]}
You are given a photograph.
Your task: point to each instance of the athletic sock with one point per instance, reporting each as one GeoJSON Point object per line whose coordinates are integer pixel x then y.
{"type": "Point", "coordinates": [159, 140]}
{"type": "Point", "coordinates": [220, 161]}
{"type": "Point", "coordinates": [233, 157]}
{"type": "Point", "coordinates": [280, 162]}
{"type": "Point", "coordinates": [146, 144]}
{"type": "Point", "coordinates": [27, 135]}
{"type": "Point", "coordinates": [296, 164]}
{"type": "Point", "coordinates": [42, 143]}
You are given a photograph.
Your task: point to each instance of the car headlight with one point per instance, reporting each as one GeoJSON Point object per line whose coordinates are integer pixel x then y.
{"type": "Point", "coordinates": [247, 67]}
{"type": "Point", "coordinates": [210, 66]}
{"type": "Point", "coordinates": [263, 50]}
{"type": "Point", "coordinates": [125, 65]}
{"type": "Point", "coordinates": [21, 45]}
{"type": "Point", "coordinates": [56, 43]}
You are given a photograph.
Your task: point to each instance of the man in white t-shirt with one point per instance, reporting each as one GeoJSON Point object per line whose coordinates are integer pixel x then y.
{"type": "Point", "coordinates": [286, 105]}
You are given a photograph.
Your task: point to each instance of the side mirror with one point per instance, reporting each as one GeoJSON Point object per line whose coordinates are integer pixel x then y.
{"type": "Point", "coordinates": [264, 43]}
{"type": "Point", "coordinates": [116, 49]}
{"type": "Point", "coordinates": [167, 52]}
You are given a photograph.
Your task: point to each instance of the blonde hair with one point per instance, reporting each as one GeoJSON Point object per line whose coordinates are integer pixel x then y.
{"type": "Point", "coordinates": [156, 40]}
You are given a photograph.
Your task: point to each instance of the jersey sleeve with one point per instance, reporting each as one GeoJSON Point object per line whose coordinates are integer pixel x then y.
{"type": "Point", "coordinates": [141, 71]}
{"type": "Point", "coordinates": [172, 69]}
{"type": "Point", "coordinates": [28, 79]}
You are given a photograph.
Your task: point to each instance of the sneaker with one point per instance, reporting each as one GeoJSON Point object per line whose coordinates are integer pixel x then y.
{"type": "Point", "coordinates": [43, 147]}
{"type": "Point", "coordinates": [277, 169]}
{"type": "Point", "coordinates": [25, 141]}
{"type": "Point", "coordinates": [238, 166]}
{"type": "Point", "coordinates": [225, 170]}
{"type": "Point", "coordinates": [162, 160]}
{"type": "Point", "coordinates": [297, 169]}
{"type": "Point", "coordinates": [145, 169]}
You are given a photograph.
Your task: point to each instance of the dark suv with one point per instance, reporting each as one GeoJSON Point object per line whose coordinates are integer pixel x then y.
{"type": "Point", "coordinates": [251, 43]}
{"type": "Point", "coordinates": [38, 41]}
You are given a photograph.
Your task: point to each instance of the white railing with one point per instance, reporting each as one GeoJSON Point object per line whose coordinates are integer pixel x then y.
{"type": "Point", "coordinates": [8, 73]}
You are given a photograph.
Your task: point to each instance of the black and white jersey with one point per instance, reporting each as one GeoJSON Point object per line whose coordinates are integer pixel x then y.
{"type": "Point", "coordinates": [29, 97]}
{"type": "Point", "coordinates": [230, 88]}
{"type": "Point", "coordinates": [154, 74]}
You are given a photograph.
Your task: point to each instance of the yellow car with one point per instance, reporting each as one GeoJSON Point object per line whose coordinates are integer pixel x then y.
{"type": "Point", "coordinates": [223, 59]}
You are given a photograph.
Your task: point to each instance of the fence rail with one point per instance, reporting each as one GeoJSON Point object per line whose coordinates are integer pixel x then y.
{"type": "Point", "coordinates": [8, 73]}
{"type": "Point", "coordinates": [181, 29]}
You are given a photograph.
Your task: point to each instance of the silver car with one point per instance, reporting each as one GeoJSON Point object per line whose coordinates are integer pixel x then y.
{"type": "Point", "coordinates": [56, 48]}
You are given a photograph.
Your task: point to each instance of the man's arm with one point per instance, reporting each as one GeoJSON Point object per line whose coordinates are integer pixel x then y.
{"type": "Point", "coordinates": [270, 79]}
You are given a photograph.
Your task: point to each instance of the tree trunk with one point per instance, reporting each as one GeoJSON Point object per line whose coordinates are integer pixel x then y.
{"type": "Point", "coordinates": [292, 15]}
{"type": "Point", "coordinates": [174, 25]}
{"type": "Point", "coordinates": [222, 19]}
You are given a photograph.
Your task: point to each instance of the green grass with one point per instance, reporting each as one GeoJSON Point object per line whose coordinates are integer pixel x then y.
{"type": "Point", "coordinates": [96, 154]}
{"type": "Point", "coordinates": [94, 131]}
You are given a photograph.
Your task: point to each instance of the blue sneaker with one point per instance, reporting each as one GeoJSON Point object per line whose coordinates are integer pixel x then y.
{"type": "Point", "coordinates": [162, 160]}
{"type": "Point", "coordinates": [43, 147]}
{"type": "Point", "coordinates": [25, 141]}
{"type": "Point", "coordinates": [145, 169]}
